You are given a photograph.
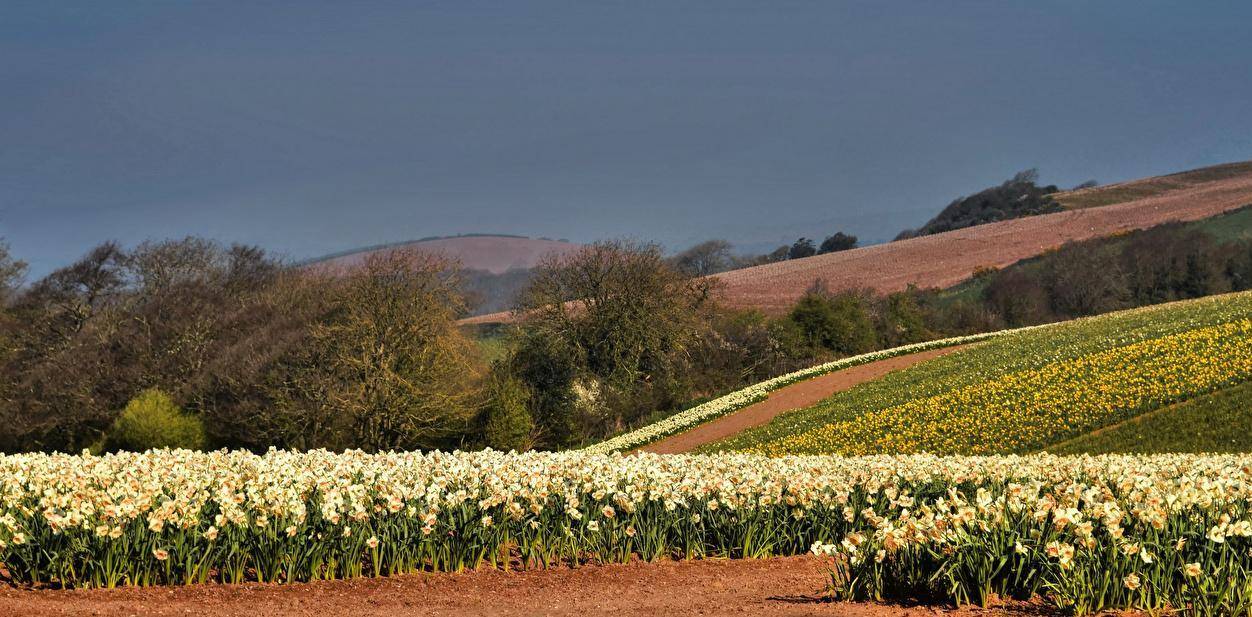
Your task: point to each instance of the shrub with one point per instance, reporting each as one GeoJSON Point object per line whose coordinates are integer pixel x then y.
{"type": "Point", "coordinates": [1018, 297]}
{"type": "Point", "coordinates": [840, 322]}
{"type": "Point", "coordinates": [152, 420]}
{"type": "Point", "coordinates": [507, 424]}
{"type": "Point", "coordinates": [549, 369]}
{"type": "Point", "coordinates": [902, 321]}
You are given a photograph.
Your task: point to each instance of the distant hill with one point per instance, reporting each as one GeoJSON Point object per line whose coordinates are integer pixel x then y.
{"type": "Point", "coordinates": [494, 253]}
{"type": "Point", "coordinates": [1154, 186]}
{"type": "Point", "coordinates": [945, 259]}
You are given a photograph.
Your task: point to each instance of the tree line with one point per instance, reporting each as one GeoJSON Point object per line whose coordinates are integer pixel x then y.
{"type": "Point", "coordinates": [193, 343]}
{"type": "Point", "coordinates": [196, 344]}
{"type": "Point", "coordinates": [713, 256]}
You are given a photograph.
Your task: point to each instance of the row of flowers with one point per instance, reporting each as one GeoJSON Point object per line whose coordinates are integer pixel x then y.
{"type": "Point", "coordinates": [1022, 393]}
{"type": "Point", "coordinates": [1094, 333]}
{"type": "Point", "coordinates": [965, 527]}
{"type": "Point", "coordinates": [739, 399]}
{"type": "Point", "coordinates": [1030, 409]}
{"type": "Point", "coordinates": [1184, 545]}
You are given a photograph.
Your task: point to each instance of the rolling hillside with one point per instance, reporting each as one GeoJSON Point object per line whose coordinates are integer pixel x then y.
{"type": "Point", "coordinates": [945, 259]}
{"type": "Point", "coordinates": [493, 253]}
{"type": "Point", "coordinates": [1044, 387]}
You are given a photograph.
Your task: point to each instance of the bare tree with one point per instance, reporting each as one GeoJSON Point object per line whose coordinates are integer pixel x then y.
{"type": "Point", "coordinates": [618, 312]}
{"type": "Point", "coordinates": [391, 362]}
{"type": "Point", "coordinates": [705, 258]}
{"type": "Point", "coordinates": [12, 272]}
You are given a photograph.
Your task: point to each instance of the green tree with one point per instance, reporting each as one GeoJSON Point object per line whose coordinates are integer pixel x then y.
{"type": "Point", "coordinates": [902, 320]}
{"type": "Point", "coordinates": [507, 424]}
{"type": "Point", "coordinates": [840, 322]}
{"type": "Point", "coordinates": [152, 420]}
{"type": "Point", "coordinates": [837, 242]}
{"type": "Point", "coordinates": [801, 248]}
{"type": "Point", "coordinates": [549, 365]}
{"type": "Point", "coordinates": [614, 317]}
{"type": "Point", "coordinates": [390, 368]}
{"type": "Point", "coordinates": [705, 258]}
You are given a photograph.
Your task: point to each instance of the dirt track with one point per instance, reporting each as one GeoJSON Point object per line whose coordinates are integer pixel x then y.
{"type": "Point", "coordinates": [795, 396]}
{"type": "Point", "coordinates": [768, 587]}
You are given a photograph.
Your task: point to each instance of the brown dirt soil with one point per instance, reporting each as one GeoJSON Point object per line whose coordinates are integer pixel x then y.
{"type": "Point", "coordinates": [795, 396]}
{"type": "Point", "coordinates": [1137, 189]}
{"type": "Point", "coordinates": [945, 259]}
{"type": "Point", "coordinates": [767, 587]}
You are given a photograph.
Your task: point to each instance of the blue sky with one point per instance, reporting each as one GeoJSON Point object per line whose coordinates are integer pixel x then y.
{"type": "Point", "coordinates": [310, 127]}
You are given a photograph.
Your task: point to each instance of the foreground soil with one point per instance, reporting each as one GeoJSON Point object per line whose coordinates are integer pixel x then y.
{"type": "Point", "coordinates": [769, 587]}
{"type": "Point", "coordinates": [795, 396]}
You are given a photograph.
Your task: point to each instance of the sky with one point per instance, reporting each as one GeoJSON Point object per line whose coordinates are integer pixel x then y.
{"type": "Point", "coordinates": [308, 127]}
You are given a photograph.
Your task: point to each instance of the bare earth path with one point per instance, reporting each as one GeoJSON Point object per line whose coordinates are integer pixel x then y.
{"type": "Point", "coordinates": [795, 396]}
{"type": "Point", "coordinates": [767, 587]}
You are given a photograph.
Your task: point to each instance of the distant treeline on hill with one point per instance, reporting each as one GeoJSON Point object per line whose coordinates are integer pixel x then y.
{"type": "Point", "coordinates": [1016, 197]}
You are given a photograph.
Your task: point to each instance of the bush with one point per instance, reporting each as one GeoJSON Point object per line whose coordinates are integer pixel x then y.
{"type": "Point", "coordinates": [839, 323]}
{"type": "Point", "coordinates": [549, 369]}
{"type": "Point", "coordinates": [1085, 279]}
{"type": "Point", "coordinates": [1018, 297]}
{"type": "Point", "coordinates": [507, 424]}
{"type": "Point", "coordinates": [902, 321]}
{"type": "Point", "coordinates": [152, 420]}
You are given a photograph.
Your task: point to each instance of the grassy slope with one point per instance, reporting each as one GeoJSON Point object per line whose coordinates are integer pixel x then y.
{"type": "Point", "coordinates": [1149, 187]}
{"type": "Point", "coordinates": [1217, 422]}
{"type": "Point", "coordinates": [1229, 227]}
{"type": "Point", "coordinates": [997, 360]}
{"type": "Point", "coordinates": [1224, 228]}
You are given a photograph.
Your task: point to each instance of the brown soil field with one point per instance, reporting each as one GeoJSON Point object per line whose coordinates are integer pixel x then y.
{"type": "Point", "coordinates": [945, 259]}
{"type": "Point", "coordinates": [496, 254]}
{"type": "Point", "coordinates": [795, 396]}
{"type": "Point", "coordinates": [1148, 187]}
{"type": "Point", "coordinates": [768, 587]}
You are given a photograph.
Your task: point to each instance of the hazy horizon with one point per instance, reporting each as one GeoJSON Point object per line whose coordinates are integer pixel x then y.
{"type": "Point", "coordinates": [311, 128]}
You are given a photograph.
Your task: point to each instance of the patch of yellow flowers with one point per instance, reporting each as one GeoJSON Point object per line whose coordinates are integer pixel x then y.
{"type": "Point", "coordinates": [757, 392]}
{"type": "Point", "coordinates": [1029, 409]}
{"type": "Point", "coordinates": [1060, 527]}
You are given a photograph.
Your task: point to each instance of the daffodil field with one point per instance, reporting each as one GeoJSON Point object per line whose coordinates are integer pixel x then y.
{"type": "Point", "coordinates": [1085, 533]}
{"type": "Point", "coordinates": [739, 399]}
{"type": "Point", "coordinates": [1024, 392]}
{"type": "Point", "coordinates": [1153, 533]}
